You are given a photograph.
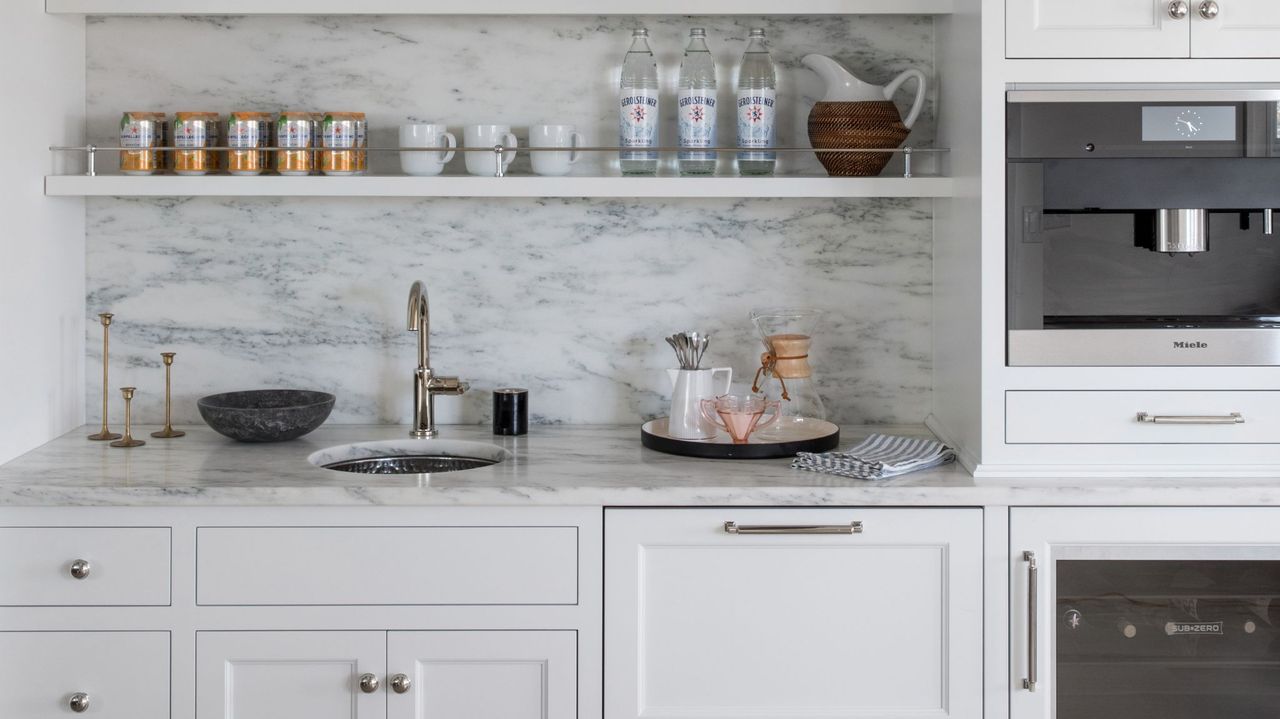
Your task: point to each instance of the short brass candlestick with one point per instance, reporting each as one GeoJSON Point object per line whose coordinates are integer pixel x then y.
{"type": "Point", "coordinates": [128, 440]}
{"type": "Point", "coordinates": [168, 430]}
{"type": "Point", "coordinates": [105, 319]}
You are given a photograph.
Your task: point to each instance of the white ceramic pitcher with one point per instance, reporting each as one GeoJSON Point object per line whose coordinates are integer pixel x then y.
{"type": "Point", "coordinates": [844, 86]}
{"type": "Point", "coordinates": [688, 388]}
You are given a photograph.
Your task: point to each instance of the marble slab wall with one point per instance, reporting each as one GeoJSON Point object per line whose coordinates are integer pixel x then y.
{"type": "Point", "coordinates": [569, 298]}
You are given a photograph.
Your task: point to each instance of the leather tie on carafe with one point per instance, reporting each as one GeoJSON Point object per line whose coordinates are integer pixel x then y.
{"type": "Point", "coordinates": [769, 363]}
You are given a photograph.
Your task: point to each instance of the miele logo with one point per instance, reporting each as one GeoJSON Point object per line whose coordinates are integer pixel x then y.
{"type": "Point", "coordinates": [1176, 628]}
{"type": "Point", "coordinates": [1191, 345]}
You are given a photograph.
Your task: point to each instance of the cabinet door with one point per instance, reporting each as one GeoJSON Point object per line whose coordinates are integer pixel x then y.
{"type": "Point", "coordinates": [707, 623]}
{"type": "Point", "coordinates": [1142, 612]}
{"type": "Point", "coordinates": [1095, 28]}
{"type": "Point", "coordinates": [111, 675]}
{"type": "Point", "coordinates": [289, 675]}
{"type": "Point", "coordinates": [1242, 28]}
{"type": "Point", "coordinates": [483, 675]}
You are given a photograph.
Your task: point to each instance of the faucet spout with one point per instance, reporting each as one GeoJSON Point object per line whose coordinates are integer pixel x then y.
{"type": "Point", "coordinates": [425, 384]}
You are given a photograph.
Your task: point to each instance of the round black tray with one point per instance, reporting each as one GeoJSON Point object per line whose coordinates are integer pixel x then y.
{"type": "Point", "coordinates": [653, 434]}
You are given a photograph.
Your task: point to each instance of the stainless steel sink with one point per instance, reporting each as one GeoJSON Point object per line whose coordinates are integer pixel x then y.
{"type": "Point", "coordinates": [409, 456]}
{"type": "Point", "coordinates": [417, 464]}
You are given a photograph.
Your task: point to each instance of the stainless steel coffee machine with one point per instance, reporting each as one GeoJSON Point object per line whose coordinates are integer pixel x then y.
{"type": "Point", "coordinates": [1139, 227]}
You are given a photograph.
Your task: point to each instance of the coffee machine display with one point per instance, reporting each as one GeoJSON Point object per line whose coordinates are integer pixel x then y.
{"type": "Point", "coordinates": [1139, 227]}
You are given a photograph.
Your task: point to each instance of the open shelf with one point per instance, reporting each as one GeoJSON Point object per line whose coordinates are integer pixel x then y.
{"type": "Point", "coordinates": [510, 186]}
{"type": "Point", "coordinates": [497, 7]}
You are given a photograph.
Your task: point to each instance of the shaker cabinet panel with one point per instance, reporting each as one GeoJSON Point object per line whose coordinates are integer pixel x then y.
{"type": "Point", "coordinates": [1095, 29]}
{"type": "Point", "coordinates": [482, 675]}
{"type": "Point", "coordinates": [708, 623]}
{"type": "Point", "coordinates": [108, 675]}
{"type": "Point", "coordinates": [289, 675]}
{"type": "Point", "coordinates": [1241, 28]}
{"type": "Point", "coordinates": [84, 566]}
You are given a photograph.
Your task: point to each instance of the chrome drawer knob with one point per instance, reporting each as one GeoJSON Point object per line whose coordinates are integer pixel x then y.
{"type": "Point", "coordinates": [400, 684]}
{"type": "Point", "coordinates": [1209, 9]}
{"type": "Point", "coordinates": [80, 568]}
{"type": "Point", "coordinates": [79, 702]}
{"type": "Point", "coordinates": [1178, 9]}
{"type": "Point", "coordinates": [368, 683]}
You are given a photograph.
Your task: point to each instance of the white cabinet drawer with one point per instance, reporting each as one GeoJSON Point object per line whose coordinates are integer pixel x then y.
{"type": "Point", "coordinates": [126, 566]}
{"type": "Point", "coordinates": [1100, 417]}
{"type": "Point", "coordinates": [386, 565]}
{"type": "Point", "coordinates": [702, 623]}
{"type": "Point", "coordinates": [123, 675]}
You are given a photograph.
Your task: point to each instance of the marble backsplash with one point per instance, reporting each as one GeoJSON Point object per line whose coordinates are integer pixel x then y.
{"type": "Point", "coordinates": [570, 298]}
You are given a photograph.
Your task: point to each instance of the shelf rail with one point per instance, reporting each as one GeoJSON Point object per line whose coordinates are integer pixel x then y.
{"type": "Point", "coordinates": [500, 151]}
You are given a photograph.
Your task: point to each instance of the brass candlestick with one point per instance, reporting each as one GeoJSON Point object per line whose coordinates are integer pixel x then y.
{"type": "Point", "coordinates": [128, 440]}
{"type": "Point", "coordinates": [105, 319]}
{"type": "Point", "coordinates": [168, 430]}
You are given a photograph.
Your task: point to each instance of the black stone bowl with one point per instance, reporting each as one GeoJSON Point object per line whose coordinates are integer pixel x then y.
{"type": "Point", "coordinates": [266, 415]}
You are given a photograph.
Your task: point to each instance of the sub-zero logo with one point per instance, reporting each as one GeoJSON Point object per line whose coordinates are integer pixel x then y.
{"type": "Point", "coordinates": [1191, 345]}
{"type": "Point", "coordinates": [1174, 629]}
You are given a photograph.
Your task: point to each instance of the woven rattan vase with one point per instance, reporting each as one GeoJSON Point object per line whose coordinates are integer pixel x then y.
{"type": "Point", "coordinates": [855, 125]}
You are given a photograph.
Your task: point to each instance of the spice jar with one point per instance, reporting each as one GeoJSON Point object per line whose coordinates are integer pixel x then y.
{"type": "Point", "coordinates": [142, 130]}
{"type": "Point", "coordinates": [193, 131]}
{"type": "Point", "coordinates": [295, 138]}
{"type": "Point", "coordinates": [343, 135]}
{"type": "Point", "coordinates": [247, 134]}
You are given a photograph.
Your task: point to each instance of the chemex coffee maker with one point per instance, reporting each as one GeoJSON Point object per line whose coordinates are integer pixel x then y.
{"type": "Point", "coordinates": [785, 374]}
{"type": "Point", "coordinates": [1139, 226]}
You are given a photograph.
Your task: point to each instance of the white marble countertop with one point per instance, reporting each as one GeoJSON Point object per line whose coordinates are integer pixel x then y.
{"type": "Point", "coordinates": [553, 465]}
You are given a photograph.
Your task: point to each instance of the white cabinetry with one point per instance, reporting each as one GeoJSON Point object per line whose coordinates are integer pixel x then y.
{"type": "Point", "coordinates": [1094, 28]}
{"type": "Point", "coordinates": [1142, 28]}
{"type": "Point", "coordinates": [1142, 607]}
{"type": "Point", "coordinates": [288, 675]}
{"type": "Point", "coordinates": [402, 675]}
{"type": "Point", "coordinates": [107, 675]}
{"type": "Point", "coordinates": [483, 675]}
{"type": "Point", "coordinates": [701, 622]}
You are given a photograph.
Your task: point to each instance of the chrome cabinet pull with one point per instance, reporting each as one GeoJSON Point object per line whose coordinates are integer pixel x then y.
{"type": "Point", "coordinates": [368, 683]}
{"type": "Point", "coordinates": [80, 568]}
{"type": "Point", "coordinates": [79, 702]}
{"type": "Point", "coordinates": [1233, 418]}
{"type": "Point", "coordinates": [850, 528]}
{"type": "Point", "coordinates": [1209, 9]}
{"type": "Point", "coordinates": [1033, 590]}
{"type": "Point", "coordinates": [400, 683]}
{"type": "Point", "coordinates": [1178, 9]}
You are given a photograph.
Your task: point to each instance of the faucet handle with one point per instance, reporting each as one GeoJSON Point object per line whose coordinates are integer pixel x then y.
{"type": "Point", "coordinates": [447, 385]}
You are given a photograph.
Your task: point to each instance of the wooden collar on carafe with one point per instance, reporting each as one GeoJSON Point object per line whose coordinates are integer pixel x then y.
{"type": "Point", "coordinates": [788, 359]}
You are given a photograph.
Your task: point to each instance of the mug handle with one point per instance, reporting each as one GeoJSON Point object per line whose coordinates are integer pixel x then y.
{"type": "Point", "coordinates": [777, 411]}
{"type": "Point", "coordinates": [450, 142]}
{"type": "Point", "coordinates": [707, 408]}
{"type": "Point", "coordinates": [921, 87]}
{"type": "Point", "coordinates": [575, 141]}
{"type": "Point", "coordinates": [728, 378]}
{"type": "Point", "coordinates": [509, 140]}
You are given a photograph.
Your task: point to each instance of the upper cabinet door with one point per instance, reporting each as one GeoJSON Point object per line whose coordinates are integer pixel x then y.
{"type": "Point", "coordinates": [1099, 28]}
{"type": "Point", "coordinates": [290, 675]}
{"type": "Point", "coordinates": [788, 616]}
{"type": "Point", "coordinates": [1235, 28]}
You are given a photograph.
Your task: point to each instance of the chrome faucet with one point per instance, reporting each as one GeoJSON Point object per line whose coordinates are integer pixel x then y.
{"type": "Point", "coordinates": [425, 384]}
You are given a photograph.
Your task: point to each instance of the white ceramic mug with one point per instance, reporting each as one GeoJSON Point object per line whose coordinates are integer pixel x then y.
{"type": "Point", "coordinates": [554, 163]}
{"type": "Point", "coordinates": [488, 136]}
{"type": "Point", "coordinates": [425, 135]}
{"type": "Point", "coordinates": [688, 388]}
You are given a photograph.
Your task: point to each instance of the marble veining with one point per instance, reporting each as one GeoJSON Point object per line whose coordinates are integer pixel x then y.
{"type": "Point", "coordinates": [569, 298]}
{"type": "Point", "coordinates": [583, 465]}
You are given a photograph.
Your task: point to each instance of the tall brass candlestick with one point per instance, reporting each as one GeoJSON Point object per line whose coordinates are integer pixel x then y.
{"type": "Point", "coordinates": [128, 440]}
{"type": "Point", "coordinates": [168, 430]}
{"type": "Point", "coordinates": [105, 319]}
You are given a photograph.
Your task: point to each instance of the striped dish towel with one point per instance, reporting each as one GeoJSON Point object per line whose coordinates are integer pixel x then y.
{"type": "Point", "coordinates": [879, 456]}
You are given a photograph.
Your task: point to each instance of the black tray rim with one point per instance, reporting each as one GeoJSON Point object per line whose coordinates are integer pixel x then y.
{"type": "Point", "coordinates": [708, 450]}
